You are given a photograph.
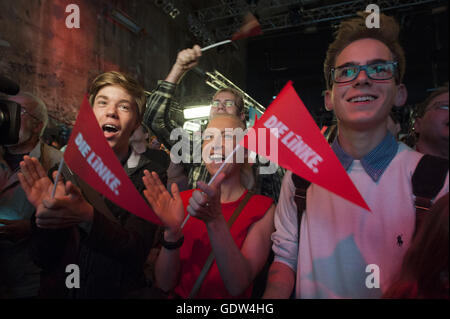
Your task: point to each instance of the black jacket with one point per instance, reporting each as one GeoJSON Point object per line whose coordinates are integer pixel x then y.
{"type": "Point", "coordinates": [110, 252]}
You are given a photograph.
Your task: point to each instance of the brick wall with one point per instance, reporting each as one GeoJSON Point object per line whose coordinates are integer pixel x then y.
{"type": "Point", "coordinates": [40, 53]}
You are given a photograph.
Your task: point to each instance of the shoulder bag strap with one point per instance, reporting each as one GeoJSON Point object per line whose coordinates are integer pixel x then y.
{"type": "Point", "coordinates": [210, 259]}
{"type": "Point", "coordinates": [427, 180]}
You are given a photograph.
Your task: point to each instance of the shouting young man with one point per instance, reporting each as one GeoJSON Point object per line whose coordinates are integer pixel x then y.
{"type": "Point", "coordinates": [81, 227]}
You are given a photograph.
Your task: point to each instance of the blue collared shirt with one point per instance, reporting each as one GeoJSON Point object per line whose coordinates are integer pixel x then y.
{"type": "Point", "coordinates": [376, 161]}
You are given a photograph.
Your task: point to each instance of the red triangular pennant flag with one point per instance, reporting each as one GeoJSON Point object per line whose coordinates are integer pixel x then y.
{"type": "Point", "coordinates": [302, 148]}
{"type": "Point", "coordinates": [249, 28]}
{"type": "Point", "coordinates": [90, 157]}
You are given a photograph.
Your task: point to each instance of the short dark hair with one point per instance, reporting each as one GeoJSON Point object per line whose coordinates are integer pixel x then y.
{"type": "Point", "coordinates": [355, 29]}
{"type": "Point", "coordinates": [237, 94]}
{"type": "Point", "coordinates": [422, 107]}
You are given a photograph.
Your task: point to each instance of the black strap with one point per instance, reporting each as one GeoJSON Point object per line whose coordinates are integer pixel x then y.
{"type": "Point", "coordinates": [427, 180]}
{"type": "Point", "coordinates": [210, 259]}
{"type": "Point", "coordinates": [429, 176]}
{"type": "Point", "coordinates": [301, 186]}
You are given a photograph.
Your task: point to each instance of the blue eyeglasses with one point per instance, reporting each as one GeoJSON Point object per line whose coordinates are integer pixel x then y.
{"type": "Point", "coordinates": [375, 71]}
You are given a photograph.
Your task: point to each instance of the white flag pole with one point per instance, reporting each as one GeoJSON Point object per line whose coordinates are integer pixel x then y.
{"type": "Point", "coordinates": [57, 175]}
{"type": "Point", "coordinates": [214, 177]}
{"type": "Point", "coordinates": [215, 45]}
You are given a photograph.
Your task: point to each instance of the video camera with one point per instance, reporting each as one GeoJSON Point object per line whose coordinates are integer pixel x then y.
{"type": "Point", "coordinates": [9, 113]}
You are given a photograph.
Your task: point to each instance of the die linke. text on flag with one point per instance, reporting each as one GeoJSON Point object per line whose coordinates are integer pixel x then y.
{"type": "Point", "coordinates": [89, 156]}
{"type": "Point", "coordinates": [95, 161]}
{"type": "Point", "coordinates": [300, 146]}
{"type": "Point", "coordinates": [294, 143]}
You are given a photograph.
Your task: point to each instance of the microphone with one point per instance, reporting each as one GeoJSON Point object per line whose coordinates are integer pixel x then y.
{"type": "Point", "coordinates": [8, 87]}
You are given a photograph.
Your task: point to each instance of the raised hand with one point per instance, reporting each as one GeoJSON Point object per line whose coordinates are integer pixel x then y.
{"type": "Point", "coordinates": [169, 208]}
{"type": "Point", "coordinates": [186, 60]}
{"type": "Point", "coordinates": [205, 204]}
{"type": "Point", "coordinates": [35, 182]}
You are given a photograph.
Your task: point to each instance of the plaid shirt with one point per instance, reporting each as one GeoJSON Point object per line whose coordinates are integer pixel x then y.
{"type": "Point", "coordinates": [158, 116]}
{"type": "Point", "coordinates": [160, 104]}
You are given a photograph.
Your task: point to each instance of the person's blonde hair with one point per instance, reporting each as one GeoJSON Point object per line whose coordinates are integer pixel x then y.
{"type": "Point", "coordinates": [247, 175]}
{"type": "Point", "coordinates": [125, 81]}
{"type": "Point", "coordinates": [355, 29]}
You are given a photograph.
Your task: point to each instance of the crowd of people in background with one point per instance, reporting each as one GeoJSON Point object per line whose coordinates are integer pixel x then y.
{"type": "Point", "coordinates": [249, 235]}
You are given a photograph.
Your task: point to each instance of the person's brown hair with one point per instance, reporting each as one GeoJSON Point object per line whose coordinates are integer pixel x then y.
{"type": "Point", "coordinates": [424, 272]}
{"type": "Point", "coordinates": [237, 94]}
{"type": "Point", "coordinates": [117, 78]}
{"type": "Point", "coordinates": [355, 29]}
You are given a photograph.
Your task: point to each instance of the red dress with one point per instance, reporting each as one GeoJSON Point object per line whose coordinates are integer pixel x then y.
{"type": "Point", "coordinates": [196, 247]}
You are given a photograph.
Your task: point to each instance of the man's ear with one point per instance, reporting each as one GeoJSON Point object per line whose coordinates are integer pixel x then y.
{"type": "Point", "coordinates": [401, 96]}
{"type": "Point", "coordinates": [328, 101]}
{"type": "Point", "coordinates": [242, 116]}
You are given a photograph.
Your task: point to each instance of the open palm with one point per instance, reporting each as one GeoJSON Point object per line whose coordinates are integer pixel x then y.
{"type": "Point", "coordinates": [35, 182]}
{"type": "Point", "coordinates": [168, 208]}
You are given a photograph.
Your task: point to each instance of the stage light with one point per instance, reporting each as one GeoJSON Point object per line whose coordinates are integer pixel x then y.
{"type": "Point", "coordinates": [197, 112]}
{"type": "Point", "coordinates": [191, 126]}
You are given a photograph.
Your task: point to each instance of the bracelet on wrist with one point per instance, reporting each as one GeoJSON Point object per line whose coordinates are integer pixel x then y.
{"type": "Point", "coordinates": [171, 245]}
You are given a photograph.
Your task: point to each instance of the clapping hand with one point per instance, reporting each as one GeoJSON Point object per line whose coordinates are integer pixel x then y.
{"type": "Point", "coordinates": [35, 182]}
{"type": "Point", "coordinates": [169, 208]}
{"type": "Point", "coordinates": [68, 206]}
{"type": "Point", "coordinates": [64, 211]}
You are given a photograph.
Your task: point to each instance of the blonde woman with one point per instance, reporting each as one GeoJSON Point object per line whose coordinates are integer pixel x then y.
{"type": "Point", "coordinates": [240, 251]}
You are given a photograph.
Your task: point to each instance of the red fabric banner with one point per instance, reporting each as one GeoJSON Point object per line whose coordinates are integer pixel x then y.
{"type": "Point", "coordinates": [249, 28]}
{"type": "Point", "coordinates": [300, 146]}
{"type": "Point", "coordinates": [90, 157]}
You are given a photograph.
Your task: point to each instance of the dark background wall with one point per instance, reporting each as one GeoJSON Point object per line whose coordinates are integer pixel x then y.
{"type": "Point", "coordinates": [40, 53]}
{"type": "Point", "coordinates": [298, 56]}
{"type": "Point", "coordinates": [57, 63]}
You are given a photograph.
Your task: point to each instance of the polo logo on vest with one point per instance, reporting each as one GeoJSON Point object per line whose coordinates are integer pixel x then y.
{"type": "Point", "coordinates": [399, 240]}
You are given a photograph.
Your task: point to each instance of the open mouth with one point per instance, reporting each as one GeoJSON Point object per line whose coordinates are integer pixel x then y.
{"type": "Point", "coordinates": [217, 158]}
{"type": "Point", "coordinates": [362, 99]}
{"type": "Point", "coordinates": [110, 130]}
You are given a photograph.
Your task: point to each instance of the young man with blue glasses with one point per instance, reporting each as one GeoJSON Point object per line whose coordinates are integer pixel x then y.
{"type": "Point", "coordinates": [337, 249]}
